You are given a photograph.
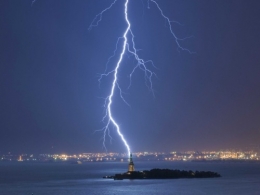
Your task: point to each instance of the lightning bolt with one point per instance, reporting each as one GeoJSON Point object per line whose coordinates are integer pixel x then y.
{"type": "Point", "coordinates": [128, 46]}
{"type": "Point", "coordinates": [33, 1]}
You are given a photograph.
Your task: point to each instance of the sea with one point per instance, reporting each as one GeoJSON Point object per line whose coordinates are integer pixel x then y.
{"type": "Point", "coordinates": [25, 178]}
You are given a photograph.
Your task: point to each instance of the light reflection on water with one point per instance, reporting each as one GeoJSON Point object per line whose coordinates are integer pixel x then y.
{"type": "Point", "coordinates": [67, 179]}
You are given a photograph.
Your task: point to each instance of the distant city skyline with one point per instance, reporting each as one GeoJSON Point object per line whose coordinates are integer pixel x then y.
{"type": "Point", "coordinates": [138, 156]}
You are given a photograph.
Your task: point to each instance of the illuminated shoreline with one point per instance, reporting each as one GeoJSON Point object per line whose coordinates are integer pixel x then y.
{"type": "Point", "coordinates": [138, 156]}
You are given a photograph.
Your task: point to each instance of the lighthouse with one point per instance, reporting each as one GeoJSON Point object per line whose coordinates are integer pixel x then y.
{"type": "Point", "coordinates": [131, 167]}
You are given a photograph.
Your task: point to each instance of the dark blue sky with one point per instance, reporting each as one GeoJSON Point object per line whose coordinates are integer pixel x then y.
{"type": "Point", "coordinates": [50, 99]}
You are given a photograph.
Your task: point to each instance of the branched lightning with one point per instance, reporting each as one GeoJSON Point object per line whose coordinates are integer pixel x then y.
{"type": "Point", "coordinates": [177, 40]}
{"type": "Point", "coordinates": [98, 17]}
{"type": "Point", "coordinates": [33, 1]}
{"type": "Point", "coordinates": [128, 46]}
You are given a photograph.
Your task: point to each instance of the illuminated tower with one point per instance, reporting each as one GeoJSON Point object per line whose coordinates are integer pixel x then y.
{"type": "Point", "coordinates": [131, 167]}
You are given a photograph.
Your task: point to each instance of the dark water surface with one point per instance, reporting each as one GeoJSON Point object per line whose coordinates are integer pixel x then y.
{"type": "Point", "coordinates": [21, 178]}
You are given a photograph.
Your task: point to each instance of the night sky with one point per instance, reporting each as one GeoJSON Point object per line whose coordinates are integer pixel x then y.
{"type": "Point", "coordinates": [51, 100]}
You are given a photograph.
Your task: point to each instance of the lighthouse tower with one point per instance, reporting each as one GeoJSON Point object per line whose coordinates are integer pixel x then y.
{"type": "Point", "coordinates": [131, 167]}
